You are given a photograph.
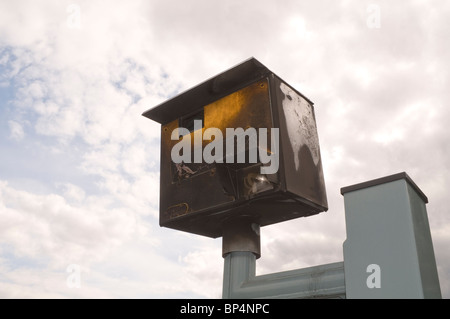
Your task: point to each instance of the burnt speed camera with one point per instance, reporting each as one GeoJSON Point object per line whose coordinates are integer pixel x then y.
{"type": "Point", "coordinates": [242, 144]}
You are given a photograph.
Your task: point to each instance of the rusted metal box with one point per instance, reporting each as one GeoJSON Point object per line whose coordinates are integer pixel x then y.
{"type": "Point", "coordinates": [224, 177]}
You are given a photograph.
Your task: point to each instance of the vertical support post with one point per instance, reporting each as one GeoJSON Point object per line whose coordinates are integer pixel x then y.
{"type": "Point", "coordinates": [241, 235]}
{"type": "Point", "coordinates": [388, 252]}
{"type": "Point", "coordinates": [240, 267]}
{"type": "Point", "coordinates": [241, 245]}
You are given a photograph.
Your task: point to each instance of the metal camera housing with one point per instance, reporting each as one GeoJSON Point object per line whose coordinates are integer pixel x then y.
{"type": "Point", "coordinates": [202, 198]}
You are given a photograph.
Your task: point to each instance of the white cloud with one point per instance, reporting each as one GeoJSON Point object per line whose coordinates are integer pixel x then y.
{"type": "Point", "coordinates": [45, 234]}
{"type": "Point", "coordinates": [47, 227]}
{"type": "Point", "coordinates": [203, 271]}
{"type": "Point", "coordinates": [297, 28]}
{"type": "Point", "coordinates": [16, 130]}
{"type": "Point", "coordinates": [379, 98]}
{"type": "Point", "coordinates": [73, 192]}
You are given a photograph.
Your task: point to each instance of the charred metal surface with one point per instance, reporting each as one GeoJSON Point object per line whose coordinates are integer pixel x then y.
{"type": "Point", "coordinates": [208, 91]}
{"type": "Point", "coordinates": [300, 144]}
{"type": "Point", "coordinates": [182, 171]}
{"type": "Point", "coordinates": [201, 197]}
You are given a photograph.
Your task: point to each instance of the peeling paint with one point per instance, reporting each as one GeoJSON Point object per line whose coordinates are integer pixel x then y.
{"type": "Point", "coordinates": [300, 123]}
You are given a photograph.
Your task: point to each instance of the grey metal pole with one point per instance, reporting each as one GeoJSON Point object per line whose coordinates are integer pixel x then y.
{"type": "Point", "coordinates": [241, 235]}
{"type": "Point", "coordinates": [241, 246]}
{"type": "Point", "coordinates": [239, 280]}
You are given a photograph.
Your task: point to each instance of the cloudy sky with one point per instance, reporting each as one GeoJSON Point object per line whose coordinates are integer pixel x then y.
{"type": "Point", "coordinates": [79, 165]}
